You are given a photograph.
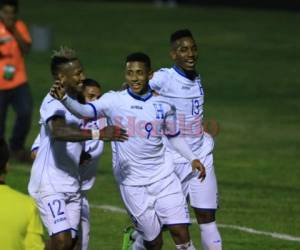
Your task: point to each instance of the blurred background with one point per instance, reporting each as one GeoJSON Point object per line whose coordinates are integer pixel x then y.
{"type": "Point", "coordinates": [249, 55]}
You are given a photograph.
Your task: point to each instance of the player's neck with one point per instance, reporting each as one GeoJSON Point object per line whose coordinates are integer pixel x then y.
{"type": "Point", "coordinates": [190, 74]}
{"type": "Point", "coordinates": [143, 96]}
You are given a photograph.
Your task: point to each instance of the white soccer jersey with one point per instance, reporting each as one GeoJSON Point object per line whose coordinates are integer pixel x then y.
{"type": "Point", "coordinates": [55, 168]}
{"type": "Point", "coordinates": [35, 145]}
{"type": "Point", "coordinates": [141, 160]}
{"type": "Point", "coordinates": [88, 171]}
{"type": "Point", "coordinates": [188, 98]}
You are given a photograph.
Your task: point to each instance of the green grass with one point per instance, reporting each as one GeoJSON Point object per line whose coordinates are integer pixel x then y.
{"type": "Point", "coordinates": [249, 62]}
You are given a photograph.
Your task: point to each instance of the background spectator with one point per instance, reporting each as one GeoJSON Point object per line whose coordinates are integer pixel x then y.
{"type": "Point", "coordinates": [15, 41]}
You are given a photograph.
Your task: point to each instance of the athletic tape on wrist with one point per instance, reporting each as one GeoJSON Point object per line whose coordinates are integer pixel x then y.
{"type": "Point", "coordinates": [95, 134]}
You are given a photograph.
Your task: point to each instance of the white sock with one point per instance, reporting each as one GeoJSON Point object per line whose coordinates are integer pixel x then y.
{"type": "Point", "coordinates": [210, 236]}
{"type": "Point", "coordinates": [186, 246]}
{"type": "Point", "coordinates": [138, 243]}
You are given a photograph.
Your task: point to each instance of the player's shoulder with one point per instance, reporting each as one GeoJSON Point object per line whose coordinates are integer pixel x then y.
{"type": "Point", "coordinates": [112, 94]}
{"type": "Point", "coordinates": [50, 101]}
{"type": "Point", "coordinates": [163, 71]}
{"type": "Point", "coordinates": [52, 106]}
{"type": "Point", "coordinates": [162, 100]}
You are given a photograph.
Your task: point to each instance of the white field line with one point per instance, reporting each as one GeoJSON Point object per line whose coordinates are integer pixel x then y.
{"type": "Point", "coordinates": [239, 228]}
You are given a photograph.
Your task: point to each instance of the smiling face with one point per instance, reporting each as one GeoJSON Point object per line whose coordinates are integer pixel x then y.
{"type": "Point", "coordinates": [71, 74]}
{"type": "Point", "coordinates": [137, 75]}
{"type": "Point", "coordinates": [185, 53]}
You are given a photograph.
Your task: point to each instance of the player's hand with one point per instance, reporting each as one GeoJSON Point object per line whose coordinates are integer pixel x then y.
{"type": "Point", "coordinates": [58, 90]}
{"type": "Point", "coordinates": [197, 165]}
{"type": "Point", "coordinates": [113, 133]}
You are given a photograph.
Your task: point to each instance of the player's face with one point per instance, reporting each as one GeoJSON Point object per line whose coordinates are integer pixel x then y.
{"type": "Point", "coordinates": [185, 53]}
{"type": "Point", "coordinates": [8, 14]}
{"type": "Point", "coordinates": [137, 75]}
{"type": "Point", "coordinates": [91, 93]}
{"type": "Point", "coordinates": [72, 76]}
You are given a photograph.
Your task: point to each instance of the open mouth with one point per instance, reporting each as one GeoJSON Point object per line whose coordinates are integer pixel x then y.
{"type": "Point", "coordinates": [136, 85]}
{"type": "Point", "coordinates": [190, 62]}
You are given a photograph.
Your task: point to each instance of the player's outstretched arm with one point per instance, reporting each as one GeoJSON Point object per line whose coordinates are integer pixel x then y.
{"type": "Point", "coordinates": [63, 132]}
{"type": "Point", "coordinates": [90, 110]}
{"type": "Point", "coordinates": [183, 148]}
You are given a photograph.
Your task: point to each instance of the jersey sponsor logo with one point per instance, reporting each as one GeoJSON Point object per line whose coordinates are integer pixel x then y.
{"type": "Point", "coordinates": [60, 220]}
{"type": "Point", "coordinates": [136, 107]}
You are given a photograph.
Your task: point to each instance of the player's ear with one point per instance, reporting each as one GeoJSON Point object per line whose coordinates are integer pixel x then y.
{"type": "Point", "coordinates": [61, 77]}
{"type": "Point", "coordinates": [172, 54]}
{"type": "Point", "coordinates": [151, 72]}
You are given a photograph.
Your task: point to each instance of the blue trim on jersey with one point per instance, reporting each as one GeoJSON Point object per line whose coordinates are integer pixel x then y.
{"type": "Point", "coordinates": [179, 71]}
{"type": "Point", "coordinates": [53, 117]}
{"type": "Point", "coordinates": [169, 136]}
{"type": "Point", "coordinates": [143, 98]}
{"type": "Point", "coordinates": [34, 148]}
{"type": "Point", "coordinates": [94, 108]}
{"type": "Point", "coordinates": [66, 230]}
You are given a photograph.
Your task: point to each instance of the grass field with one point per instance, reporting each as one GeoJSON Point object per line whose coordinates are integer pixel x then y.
{"type": "Point", "coordinates": [249, 62]}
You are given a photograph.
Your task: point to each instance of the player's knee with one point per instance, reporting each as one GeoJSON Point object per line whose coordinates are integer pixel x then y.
{"type": "Point", "coordinates": [61, 241]}
{"type": "Point", "coordinates": [155, 244]}
{"type": "Point", "coordinates": [205, 216]}
{"type": "Point", "coordinates": [180, 233]}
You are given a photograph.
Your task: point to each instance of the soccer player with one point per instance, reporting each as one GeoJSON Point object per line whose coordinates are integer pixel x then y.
{"type": "Point", "coordinates": [148, 185]}
{"type": "Point", "coordinates": [182, 87]}
{"type": "Point", "coordinates": [89, 159]}
{"type": "Point", "coordinates": [54, 181]}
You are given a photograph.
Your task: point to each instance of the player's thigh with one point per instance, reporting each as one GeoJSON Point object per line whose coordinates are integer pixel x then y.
{"type": "Point", "coordinates": [54, 214]}
{"type": "Point", "coordinates": [73, 209]}
{"type": "Point", "coordinates": [171, 205]}
{"type": "Point", "coordinates": [140, 206]}
{"type": "Point", "coordinates": [204, 194]}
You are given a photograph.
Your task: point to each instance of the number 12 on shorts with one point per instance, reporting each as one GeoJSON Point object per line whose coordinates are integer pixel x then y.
{"type": "Point", "coordinates": [55, 208]}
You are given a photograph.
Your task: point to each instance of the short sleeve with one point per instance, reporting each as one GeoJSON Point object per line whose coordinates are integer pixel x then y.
{"type": "Point", "coordinates": [103, 106]}
{"type": "Point", "coordinates": [50, 108]}
{"type": "Point", "coordinates": [36, 144]}
{"type": "Point", "coordinates": [159, 78]}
